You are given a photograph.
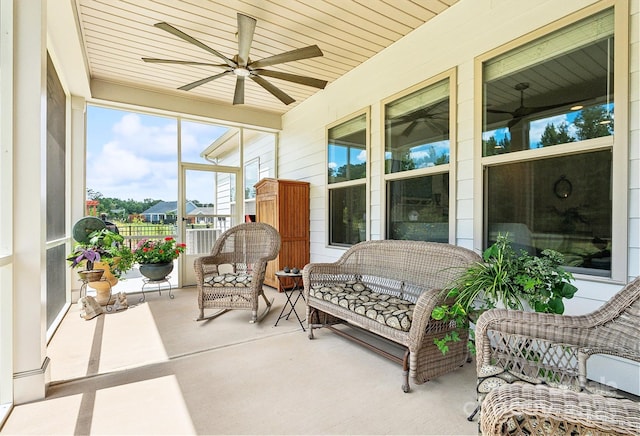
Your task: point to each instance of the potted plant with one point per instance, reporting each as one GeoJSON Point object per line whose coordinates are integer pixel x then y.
{"type": "Point", "coordinates": [105, 250]}
{"type": "Point", "coordinates": [89, 256]}
{"type": "Point", "coordinates": [508, 279]}
{"type": "Point", "coordinates": [106, 246]}
{"type": "Point", "coordinates": [156, 257]}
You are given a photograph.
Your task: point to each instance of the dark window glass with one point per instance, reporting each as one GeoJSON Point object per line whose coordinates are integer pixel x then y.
{"type": "Point", "coordinates": [347, 220]}
{"type": "Point", "coordinates": [418, 208]}
{"type": "Point", "coordinates": [562, 203]}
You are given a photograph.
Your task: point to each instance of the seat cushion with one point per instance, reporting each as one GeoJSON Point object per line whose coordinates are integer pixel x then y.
{"type": "Point", "coordinates": [357, 297]}
{"type": "Point", "coordinates": [232, 280]}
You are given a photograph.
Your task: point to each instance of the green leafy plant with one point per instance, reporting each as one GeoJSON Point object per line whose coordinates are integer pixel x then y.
{"type": "Point", "coordinates": [158, 251]}
{"type": "Point", "coordinates": [508, 279]}
{"type": "Point", "coordinates": [106, 246]}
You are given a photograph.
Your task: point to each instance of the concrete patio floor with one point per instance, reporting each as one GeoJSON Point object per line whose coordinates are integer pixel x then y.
{"type": "Point", "coordinates": [152, 369]}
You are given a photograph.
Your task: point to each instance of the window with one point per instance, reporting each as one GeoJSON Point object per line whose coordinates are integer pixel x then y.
{"type": "Point", "coordinates": [547, 142]}
{"type": "Point", "coordinates": [56, 189]}
{"type": "Point", "coordinates": [347, 171]}
{"type": "Point", "coordinates": [417, 155]}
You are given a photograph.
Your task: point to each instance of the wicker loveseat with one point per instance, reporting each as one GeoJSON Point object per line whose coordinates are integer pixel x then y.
{"type": "Point", "coordinates": [389, 288]}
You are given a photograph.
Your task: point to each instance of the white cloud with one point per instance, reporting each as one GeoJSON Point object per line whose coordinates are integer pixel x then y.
{"type": "Point", "coordinates": [136, 161]}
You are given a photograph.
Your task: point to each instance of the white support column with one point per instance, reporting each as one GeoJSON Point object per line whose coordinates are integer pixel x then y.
{"type": "Point", "coordinates": [31, 372]}
{"type": "Point", "coordinates": [78, 171]}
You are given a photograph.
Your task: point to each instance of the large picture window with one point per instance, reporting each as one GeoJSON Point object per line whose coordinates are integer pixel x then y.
{"type": "Point", "coordinates": [417, 154]}
{"type": "Point", "coordinates": [548, 108]}
{"type": "Point", "coordinates": [346, 177]}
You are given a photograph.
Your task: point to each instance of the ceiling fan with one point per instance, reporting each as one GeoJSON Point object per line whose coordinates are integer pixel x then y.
{"type": "Point", "coordinates": [241, 66]}
{"type": "Point", "coordinates": [523, 111]}
{"type": "Point", "coordinates": [429, 115]}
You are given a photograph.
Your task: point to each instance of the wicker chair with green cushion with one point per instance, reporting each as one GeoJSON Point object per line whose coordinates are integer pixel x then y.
{"type": "Point", "coordinates": [540, 348]}
{"type": "Point", "coordinates": [232, 275]}
{"type": "Point", "coordinates": [523, 409]}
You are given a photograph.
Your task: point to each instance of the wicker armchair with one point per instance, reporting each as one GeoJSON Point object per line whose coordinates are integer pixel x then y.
{"type": "Point", "coordinates": [231, 277]}
{"type": "Point", "coordinates": [522, 409]}
{"type": "Point", "coordinates": [537, 348]}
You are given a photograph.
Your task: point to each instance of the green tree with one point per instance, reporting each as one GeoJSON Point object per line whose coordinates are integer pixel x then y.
{"type": "Point", "coordinates": [553, 135]}
{"type": "Point", "coordinates": [93, 195]}
{"type": "Point", "coordinates": [492, 146]}
{"type": "Point", "coordinates": [594, 122]}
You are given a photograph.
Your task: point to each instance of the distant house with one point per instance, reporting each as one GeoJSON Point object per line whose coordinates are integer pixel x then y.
{"type": "Point", "coordinates": [202, 215]}
{"type": "Point", "coordinates": [166, 212]}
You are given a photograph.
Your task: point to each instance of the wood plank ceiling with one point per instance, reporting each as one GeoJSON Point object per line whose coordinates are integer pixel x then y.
{"type": "Point", "coordinates": [117, 34]}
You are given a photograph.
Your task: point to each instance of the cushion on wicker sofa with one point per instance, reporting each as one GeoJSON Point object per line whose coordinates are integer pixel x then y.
{"type": "Point", "coordinates": [354, 295]}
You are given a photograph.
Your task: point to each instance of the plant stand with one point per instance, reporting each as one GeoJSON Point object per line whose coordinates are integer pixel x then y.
{"type": "Point", "coordinates": [83, 292]}
{"type": "Point", "coordinates": [158, 283]}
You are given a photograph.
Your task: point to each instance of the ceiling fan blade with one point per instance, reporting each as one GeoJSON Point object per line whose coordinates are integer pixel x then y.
{"type": "Point", "coordinates": [303, 80]}
{"type": "Point", "coordinates": [278, 93]}
{"type": "Point", "coordinates": [174, 61]}
{"type": "Point", "coordinates": [192, 85]}
{"type": "Point", "coordinates": [409, 129]}
{"type": "Point", "coordinates": [238, 95]}
{"type": "Point", "coordinates": [180, 34]}
{"type": "Point", "coordinates": [311, 51]}
{"type": "Point", "coordinates": [513, 122]}
{"type": "Point", "coordinates": [246, 28]}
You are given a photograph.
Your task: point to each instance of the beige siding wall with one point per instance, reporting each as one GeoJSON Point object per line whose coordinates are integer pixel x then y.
{"type": "Point", "coordinates": [452, 40]}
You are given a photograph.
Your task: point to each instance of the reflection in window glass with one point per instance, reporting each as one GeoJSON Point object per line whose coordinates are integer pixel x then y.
{"type": "Point", "coordinates": [555, 90]}
{"type": "Point", "coordinates": [347, 150]}
{"type": "Point", "coordinates": [417, 129]}
{"type": "Point", "coordinates": [554, 203]}
{"type": "Point", "coordinates": [418, 208]}
{"type": "Point", "coordinates": [347, 221]}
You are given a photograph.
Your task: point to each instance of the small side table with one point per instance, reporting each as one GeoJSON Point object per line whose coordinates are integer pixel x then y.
{"type": "Point", "coordinates": [156, 282]}
{"type": "Point", "coordinates": [296, 278]}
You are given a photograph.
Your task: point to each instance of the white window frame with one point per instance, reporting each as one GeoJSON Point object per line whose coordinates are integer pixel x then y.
{"type": "Point", "coordinates": [617, 142]}
{"type": "Point", "coordinates": [363, 181]}
{"type": "Point", "coordinates": [452, 76]}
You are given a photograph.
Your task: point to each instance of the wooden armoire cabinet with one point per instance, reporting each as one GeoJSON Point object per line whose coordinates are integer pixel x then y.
{"type": "Point", "coordinates": [284, 204]}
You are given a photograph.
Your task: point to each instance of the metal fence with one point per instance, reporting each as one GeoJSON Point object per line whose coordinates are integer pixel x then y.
{"type": "Point", "coordinates": [199, 238]}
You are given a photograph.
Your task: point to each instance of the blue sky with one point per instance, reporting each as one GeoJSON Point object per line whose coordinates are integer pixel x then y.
{"type": "Point", "coordinates": [134, 156]}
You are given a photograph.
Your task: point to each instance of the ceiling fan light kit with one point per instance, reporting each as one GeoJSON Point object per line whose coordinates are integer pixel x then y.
{"type": "Point", "coordinates": [241, 65]}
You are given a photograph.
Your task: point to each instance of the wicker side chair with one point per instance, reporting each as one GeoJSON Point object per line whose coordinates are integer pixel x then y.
{"type": "Point", "coordinates": [515, 346]}
{"type": "Point", "coordinates": [232, 275]}
{"type": "Point", "coordinates": [523, 409]}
